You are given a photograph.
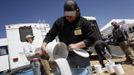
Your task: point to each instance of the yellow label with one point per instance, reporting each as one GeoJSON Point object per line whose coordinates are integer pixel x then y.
{"type": "Point", "coordinates": [77, 32]}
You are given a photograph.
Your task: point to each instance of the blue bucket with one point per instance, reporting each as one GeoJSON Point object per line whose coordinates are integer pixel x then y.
{"type": "Point", "coordinates": [26, 72]}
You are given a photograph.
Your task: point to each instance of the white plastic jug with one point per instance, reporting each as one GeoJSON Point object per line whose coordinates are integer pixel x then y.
{"type": "Point", "coordinates": [118, 69]}
{"type": "Point", "coordinates": [98, 69]}
{"type": "Point", "coordinates": [110, 68]}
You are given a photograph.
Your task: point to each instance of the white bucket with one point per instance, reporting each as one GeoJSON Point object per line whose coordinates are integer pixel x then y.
{"type": "Point", "coordinates": [98, 69]}
{"type": "Point", "coordinates": [118, 69]}
{"type": "Point", "coordinates": [63, 66]}
{"type": "Point", "coordinates": [57, 50]}
{"type": "Point", "coordinates": [110, 68]}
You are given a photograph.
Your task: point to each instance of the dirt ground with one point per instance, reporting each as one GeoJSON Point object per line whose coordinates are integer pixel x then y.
{"type": "Point", "coordinates": [128, 68]}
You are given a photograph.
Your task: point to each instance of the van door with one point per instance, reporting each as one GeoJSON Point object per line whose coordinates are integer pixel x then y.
{"type": "Point", "coordinates": [4, 61]}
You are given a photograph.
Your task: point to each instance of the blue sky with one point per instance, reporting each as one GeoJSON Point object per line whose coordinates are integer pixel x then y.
{"type": "Point", "coordinates": [25, 11]}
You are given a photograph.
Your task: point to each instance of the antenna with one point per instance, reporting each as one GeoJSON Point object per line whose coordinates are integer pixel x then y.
{"type": "Point", "coordinates": [41, 21]}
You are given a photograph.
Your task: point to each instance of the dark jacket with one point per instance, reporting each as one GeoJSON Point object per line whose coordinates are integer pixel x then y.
{"type": "Point", "coordinates": [119, 34]}
{"type": "Point", "coordinates": [70, 33]}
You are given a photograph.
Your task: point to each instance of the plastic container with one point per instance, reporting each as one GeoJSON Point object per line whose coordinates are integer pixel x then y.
{"type": "Point", "coordinates": [119, 69]}
{"type": "Point", "coordinates": [57, 50]}
{"type": "Point", "coordinates": [26, 72]}
{"type": "Point", "coordinates": [110, 68]}
{"type": "Point", "coordinates": [98, 69]}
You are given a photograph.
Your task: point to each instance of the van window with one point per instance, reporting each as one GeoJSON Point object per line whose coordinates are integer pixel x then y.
{"type": "Point", "coordinates": [3, 50]}
{"type": "Point", "coordinates": [25, 31]}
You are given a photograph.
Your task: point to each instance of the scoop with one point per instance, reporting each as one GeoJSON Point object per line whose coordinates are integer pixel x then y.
{"type": "Point", "coordinates": [81, 52]}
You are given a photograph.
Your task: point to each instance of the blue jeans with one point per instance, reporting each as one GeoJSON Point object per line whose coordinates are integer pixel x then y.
{"type": "Point", "coordinates": [36, 68]}
{"type": "Point", "coordinates": [36, 65]}
{"type": "Point", "coordinates": [82, 71]}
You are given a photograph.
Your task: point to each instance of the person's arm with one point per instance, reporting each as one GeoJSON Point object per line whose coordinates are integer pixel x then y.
{"type": "Point", "coordinates": [89, 34]}
{"type": "Point", "coordinates": [108, 48]}
{"type": "Point", "coordinates": [114, 38]}
{"type": "Point", "coordinates": [127, 36]}
{"type": "Point", "coordinates": [43, 46]}
{"type": "Point", "coordinates": [77, 45]}
{"type": "Point", "coordinates": [51, 34]}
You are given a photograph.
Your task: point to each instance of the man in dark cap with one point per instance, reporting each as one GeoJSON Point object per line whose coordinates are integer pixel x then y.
{"type": "Point", "coordinates": [121, 37]}
{"type": "Point", "coordinates": [76, 32]}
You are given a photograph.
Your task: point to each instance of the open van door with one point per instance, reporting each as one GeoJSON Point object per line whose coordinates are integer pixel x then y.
{"type": "Point", "coordinates": [4, 57]}
{"type": "Point", "coordinates": [94, 25]}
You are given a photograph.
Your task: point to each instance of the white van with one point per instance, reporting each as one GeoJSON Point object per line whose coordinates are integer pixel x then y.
{"type": "Point", "coordinates": [11, 48]}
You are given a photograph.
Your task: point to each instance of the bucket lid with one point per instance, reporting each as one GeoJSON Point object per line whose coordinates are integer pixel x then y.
{"type": "Point", "coordinates": [81, 52]}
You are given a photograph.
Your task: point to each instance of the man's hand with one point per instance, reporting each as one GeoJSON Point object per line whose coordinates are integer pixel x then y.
{"type": "Point", "coordinates": [43, 47]}
{"type": "Point", "coordinates": [73, 46]}
{"type": "Point", "coordinates": [38, 51]}
{"type": "Point", "coordinates": [77, 45]}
